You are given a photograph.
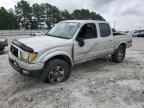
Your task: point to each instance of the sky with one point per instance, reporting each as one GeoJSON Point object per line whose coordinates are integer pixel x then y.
{"type": "Point", "coordinates": [127, 14]}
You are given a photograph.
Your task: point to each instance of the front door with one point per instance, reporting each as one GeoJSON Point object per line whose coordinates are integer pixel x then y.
{"type": "Point", "coordinates": [88, 33]}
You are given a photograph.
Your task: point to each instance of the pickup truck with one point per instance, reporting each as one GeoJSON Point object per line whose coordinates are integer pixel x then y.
{"type": "Point", "coordinates": [51, 57]}
{"type": "Point", "coordinates": [3, 43]}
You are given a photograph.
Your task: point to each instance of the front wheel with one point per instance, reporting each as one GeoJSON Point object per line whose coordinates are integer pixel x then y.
{"type": "Point", "coordinates": [1, 49]}
{"type": "Point", "coordinates": [56, 71]}
{"type": "Point", "coordinates": [119, 54]}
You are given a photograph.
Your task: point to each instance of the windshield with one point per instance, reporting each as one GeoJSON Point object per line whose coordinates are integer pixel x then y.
{"type": "Point", "coordinates": [64, 30]}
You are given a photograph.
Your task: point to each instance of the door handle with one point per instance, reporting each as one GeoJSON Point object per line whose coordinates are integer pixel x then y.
{"type": "Point", "coordinates": [110, 40]}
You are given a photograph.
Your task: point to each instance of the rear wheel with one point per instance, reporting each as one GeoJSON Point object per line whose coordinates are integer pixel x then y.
{"type": "Point", "coordinates": [56, 71]}
{"type": "Point", "coordinates": [119, 54]}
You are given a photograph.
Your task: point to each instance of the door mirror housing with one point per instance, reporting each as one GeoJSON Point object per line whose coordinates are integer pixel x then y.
{"type": "Point", "coordinates": [80, 41]}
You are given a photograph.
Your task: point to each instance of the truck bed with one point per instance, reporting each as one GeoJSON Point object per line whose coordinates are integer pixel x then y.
{"type": "Point", "coordinates": [119, 37]}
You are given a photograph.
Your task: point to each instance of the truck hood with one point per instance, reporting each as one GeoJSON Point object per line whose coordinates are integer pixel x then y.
{"type": "Point", "coordinates": [43, 42]}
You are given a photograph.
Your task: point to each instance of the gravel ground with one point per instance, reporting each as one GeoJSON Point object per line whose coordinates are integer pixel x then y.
{"type": "Point", "coordinates": [95, 84]}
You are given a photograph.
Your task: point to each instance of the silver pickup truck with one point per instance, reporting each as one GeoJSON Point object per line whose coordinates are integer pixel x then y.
{"type": "Point", "coordinates": [52, 56]}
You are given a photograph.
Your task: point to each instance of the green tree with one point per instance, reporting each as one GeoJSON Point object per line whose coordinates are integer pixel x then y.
{"type": "Point", "coordinates": [84, 14]}
{"type": "Point", "coordinates": [12, 19]}
{"type": "Point", "coordinates": [23, 13]}
{"type": "Point", "coordinates": [3, 18]}
{"type": "Point", "coordinates": [51, 14]}
{"type": "Point", "coordinates": [7, 19]}
{"type": "Point", "coordinates": [37, 12]}
{"type": "Point", "coordinates": [27, 16]}
{"type": "Point", "coordinates": [66, 15]}
{"type": "Point", "coordinates": [40, 13]}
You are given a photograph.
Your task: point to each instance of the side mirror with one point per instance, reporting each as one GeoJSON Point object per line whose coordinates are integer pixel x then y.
{"type": "Point", "coordinates": [80, 41]}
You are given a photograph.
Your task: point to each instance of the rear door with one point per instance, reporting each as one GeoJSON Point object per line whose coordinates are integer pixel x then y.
{"type": "Point", "coordinates": [106, 41]}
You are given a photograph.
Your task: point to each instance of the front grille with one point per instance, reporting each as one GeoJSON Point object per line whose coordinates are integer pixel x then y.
{"type": "Point", "coordinates": [14, 51]}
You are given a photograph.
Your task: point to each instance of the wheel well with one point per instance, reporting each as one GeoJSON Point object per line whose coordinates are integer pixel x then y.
{"type": "Point", "coordinates": [62, 57]}
{"type": "Point", "coordinates": [123, 44]}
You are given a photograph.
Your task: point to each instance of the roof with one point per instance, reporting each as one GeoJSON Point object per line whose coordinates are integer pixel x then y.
{"type": "Point", "coordinates": [85, 21]}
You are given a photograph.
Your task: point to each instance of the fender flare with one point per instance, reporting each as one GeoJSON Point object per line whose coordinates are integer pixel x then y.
{"type": "Point", "coordinates": [54, 54]}
{"type": "Point", "coordinates": [120, 43]}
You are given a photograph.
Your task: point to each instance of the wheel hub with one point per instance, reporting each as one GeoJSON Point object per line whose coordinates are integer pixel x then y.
{"type": "Point", "coordinates": [120, 54]}
{"type": "Point", "coordinates": [56, 74]}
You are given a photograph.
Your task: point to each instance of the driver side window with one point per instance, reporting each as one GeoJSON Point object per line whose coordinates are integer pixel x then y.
{"type": "Point", "coordinates": [88, 31]}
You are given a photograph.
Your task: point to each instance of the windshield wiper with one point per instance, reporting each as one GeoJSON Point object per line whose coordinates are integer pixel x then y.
{"type": "Point", "coordinates": [56, 36]}
{"type": "Point", "coordinates": [49, 34]}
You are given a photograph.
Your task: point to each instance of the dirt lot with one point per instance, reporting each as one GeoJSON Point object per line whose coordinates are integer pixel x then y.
{"type": "Point", "coordinates": [96, 84]}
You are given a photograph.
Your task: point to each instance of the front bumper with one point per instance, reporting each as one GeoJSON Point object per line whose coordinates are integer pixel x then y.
{"type": "Point", "coordinates": [25, 68]}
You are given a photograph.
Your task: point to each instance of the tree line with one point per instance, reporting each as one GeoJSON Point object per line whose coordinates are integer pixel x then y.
{"type": "Point", "coordinates": [32, 17]}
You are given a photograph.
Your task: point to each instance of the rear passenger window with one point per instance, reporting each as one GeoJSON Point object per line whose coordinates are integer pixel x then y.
{"type": "Point", "coordinates": [104, 30]}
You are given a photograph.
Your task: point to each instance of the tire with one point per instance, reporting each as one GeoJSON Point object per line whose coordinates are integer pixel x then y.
{"type": "Point", "coordinates": [119, 54]}
{"type": "Point", "coordinates": [1, 49]}
{"type": "Point", "coordinates": [56, 71]}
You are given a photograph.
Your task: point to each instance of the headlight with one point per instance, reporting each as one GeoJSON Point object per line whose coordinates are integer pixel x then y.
{"type": "Point", "coordinates": [28, 57]}
{"type": "Point", "coordinates": [32, 56]}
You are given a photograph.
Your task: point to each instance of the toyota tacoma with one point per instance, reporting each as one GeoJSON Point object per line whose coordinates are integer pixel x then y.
{"type": "Point", "coordinates": [51, 57]}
